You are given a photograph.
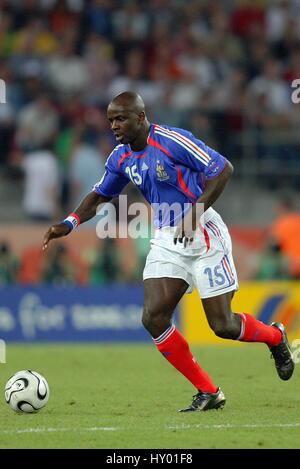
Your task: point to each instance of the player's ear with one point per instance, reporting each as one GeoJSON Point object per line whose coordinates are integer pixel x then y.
{"type": "Point", "coordinates": [141, 117]}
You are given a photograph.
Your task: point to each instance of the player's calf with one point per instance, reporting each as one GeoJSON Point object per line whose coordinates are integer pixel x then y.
{"type": "Point", "coordinates": [226, 327]}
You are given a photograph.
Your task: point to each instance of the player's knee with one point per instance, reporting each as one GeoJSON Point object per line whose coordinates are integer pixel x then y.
{"type": "Point", "coordinates": [146, 319]}
{"type": "Point", "coordinates": [155, 321]}
{"type": "Point", "coordinates": [151, 318]}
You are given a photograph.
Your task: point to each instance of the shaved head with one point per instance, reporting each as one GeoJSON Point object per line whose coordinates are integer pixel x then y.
{"type": "Point", "coordinates": [128, 121]}
{"type": "Point", "coordinates": [129, 101]}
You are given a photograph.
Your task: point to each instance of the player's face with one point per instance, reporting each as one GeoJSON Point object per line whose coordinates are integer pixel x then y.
{"type": "Point", "coordinates": [125, 124]}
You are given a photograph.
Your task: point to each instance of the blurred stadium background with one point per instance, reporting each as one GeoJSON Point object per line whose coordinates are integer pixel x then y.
{"type": "Point", "coordinates": [222, 69]}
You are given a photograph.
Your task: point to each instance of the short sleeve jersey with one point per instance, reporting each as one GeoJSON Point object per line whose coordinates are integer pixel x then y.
{"type": "Point", "coordinates": [171, 169]}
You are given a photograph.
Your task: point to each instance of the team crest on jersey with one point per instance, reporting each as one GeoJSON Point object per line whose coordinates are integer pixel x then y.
{"type": "Point", "coordinates": [161, 173]}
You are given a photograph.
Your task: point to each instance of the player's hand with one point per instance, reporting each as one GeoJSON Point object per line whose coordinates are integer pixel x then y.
{"type": "Point", "coordinates": [183, 236]}
{"type": "Point", "coordinates": [55, 231]}
{"type": "Point", "coordinates": [185, 232]}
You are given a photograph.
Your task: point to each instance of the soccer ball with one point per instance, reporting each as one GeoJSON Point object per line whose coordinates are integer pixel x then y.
{"type": "Point", "coordinates": [26, 391]}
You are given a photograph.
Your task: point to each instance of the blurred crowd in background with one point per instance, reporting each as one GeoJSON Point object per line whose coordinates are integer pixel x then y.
{"type": "Point", "coordinates": [222, 69]}
{"type": "Point", "coordinates": [62, 266]}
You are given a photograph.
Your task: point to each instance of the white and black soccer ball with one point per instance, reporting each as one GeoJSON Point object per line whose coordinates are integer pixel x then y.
{"type": "Point", "coordinates": [26, 391]}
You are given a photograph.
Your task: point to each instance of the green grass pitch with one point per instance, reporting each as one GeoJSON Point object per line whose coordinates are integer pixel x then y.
{"type": "Point", "coordinates": [127, 396]}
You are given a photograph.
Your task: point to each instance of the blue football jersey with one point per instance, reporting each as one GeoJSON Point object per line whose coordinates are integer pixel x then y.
{"type": "Point", "coordinates": [171, 169]}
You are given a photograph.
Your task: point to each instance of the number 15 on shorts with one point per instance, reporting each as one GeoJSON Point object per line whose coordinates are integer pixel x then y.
{"type": "Point", "coordinates": [219, 276]}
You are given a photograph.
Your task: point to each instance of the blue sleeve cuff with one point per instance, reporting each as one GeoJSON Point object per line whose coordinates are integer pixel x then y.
{"type": "Point", "coordinates": [100, 192]}
{"type": "Point", "coordinates": [216, 168]}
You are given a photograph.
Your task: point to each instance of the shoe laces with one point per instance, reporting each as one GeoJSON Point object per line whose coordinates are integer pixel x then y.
{"type": "Point", "coordinates": [200, 396]}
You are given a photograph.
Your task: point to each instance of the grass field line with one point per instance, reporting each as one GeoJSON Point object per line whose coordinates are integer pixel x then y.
{"type": "Point", "coordinates": [168, 427]}
{"type": "Point", "coordinates": [230, 425]}
{"type": "Point", "coordinates": [53, 430]}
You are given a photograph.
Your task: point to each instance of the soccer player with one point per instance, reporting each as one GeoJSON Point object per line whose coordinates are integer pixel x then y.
{"type": "Point", "coordinates": [169, 165]}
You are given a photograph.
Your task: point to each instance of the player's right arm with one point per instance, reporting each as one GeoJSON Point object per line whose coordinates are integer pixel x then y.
{"type": "Point", "coordinates": [86, 210]}
{"type": "Point", "coordinates": [111, 185]}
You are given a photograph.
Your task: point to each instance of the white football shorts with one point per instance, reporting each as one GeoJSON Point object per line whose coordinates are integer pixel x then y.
{"type": "Point", "coordinates": [207, 264]}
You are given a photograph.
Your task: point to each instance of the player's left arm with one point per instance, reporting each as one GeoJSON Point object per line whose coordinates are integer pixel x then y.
{"type": "Point", "coordinates": [213, 189]}
{"type": "Point", "coordinates": [215, 186]}
{"type": "Point", "coordinates": [189, 151]}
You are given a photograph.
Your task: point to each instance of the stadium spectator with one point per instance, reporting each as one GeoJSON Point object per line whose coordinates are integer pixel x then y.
{"type": "Point", "coordinates": [8, 265]}
{"type": "Point", "coordinates": [173, 167]}
{"type": "Point", "coordinates": [41, 185]}
{"type": "Point", "coordinates": [99, 17]}
{"type": "Point", "coordinates": [105, 266]}
{"type": "Point", "coordinates": [272, 86]}
{"type": "Point", "coordinates": [66, 71]}
{"type": "Point", "coordinates": [131, 23]}
{"type": "Point", "coordinates": [58, 268]}
{"type": "Point", "coordinates": [37, 124]}
{"type": "Point", "coordinates": [98, 54]}
{"type": "Point", "coordinates": [7, 116]}
{"type": "Point", "coordinates": [134, 77]}
{"type": "Point", "coordinates": [31, 265]}
{"type": "Point", "coordinates": [63, 14]}
{"type": "Point", "coordinates": [85, 164]}
{"type": "Point", "coordinates": [285, 231]}
{"type": "Point", "coordinates": [273, 265]}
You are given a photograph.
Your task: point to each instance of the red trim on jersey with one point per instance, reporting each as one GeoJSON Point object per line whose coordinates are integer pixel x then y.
{"type": "Point", "coordinates": [126, 155]}
{"type": "Point", "coordinates": [186, 141]}
{"type": "Point", "coordinates": [155, 144]}
{"type": "Point", "coordinates": [140, 156]}
{"type": "Point", "coordinates": [183, 185]}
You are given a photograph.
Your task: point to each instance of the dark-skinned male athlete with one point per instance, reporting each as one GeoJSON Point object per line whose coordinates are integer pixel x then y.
{"type": "Point", "coordinates": [169, 165]}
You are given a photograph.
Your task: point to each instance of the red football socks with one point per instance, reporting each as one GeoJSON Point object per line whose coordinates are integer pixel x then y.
{"type": "Point", "coordinates": [256, 331]}
{"type": "Point", "coordinates": [175, 349]}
